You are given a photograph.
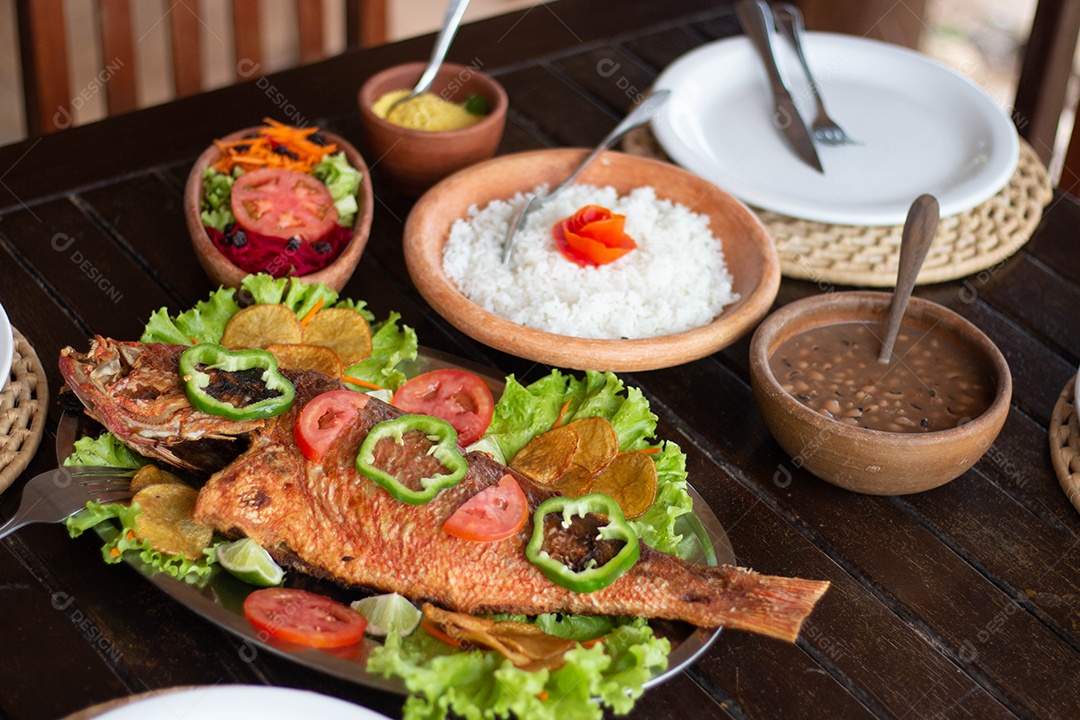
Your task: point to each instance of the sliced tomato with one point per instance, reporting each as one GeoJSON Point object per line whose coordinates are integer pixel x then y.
{"type": "Point", "coordinates": [494, 513]}
{"type": "Point", "coordinates": [304, 618]}
{"type": "Point", "coordinates": [283, 204]}
{"type": "Point", "coordinates": [323, 418]}
{"type": "Point", "coordinates": [458, 397]}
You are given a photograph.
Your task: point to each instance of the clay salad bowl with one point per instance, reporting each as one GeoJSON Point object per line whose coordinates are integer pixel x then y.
{"type": "Point", "coordinates": [749, 256]}
{"type": "Point", "coordinates": [413, 160]}
{"type": "Point", "coordinates": [224, 272]}
{"type": "Point", "coordinates": [941, 436]}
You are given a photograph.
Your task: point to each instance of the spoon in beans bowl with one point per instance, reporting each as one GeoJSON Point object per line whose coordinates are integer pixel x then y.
{"type": "Point", "coordinates": [919, 230]}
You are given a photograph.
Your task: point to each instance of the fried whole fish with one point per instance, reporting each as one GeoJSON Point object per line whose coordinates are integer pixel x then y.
{"type": "Point", "coordinates": [330, 521]}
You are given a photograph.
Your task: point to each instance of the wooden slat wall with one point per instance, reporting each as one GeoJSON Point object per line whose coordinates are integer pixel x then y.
{"type": "Point", "coordinates": [186, 58]}
{"type": "Point", "coordinates": [309, 18]}
{"type": "Point", "coordinates": [43, 51]}
{"type": "Point", "coordinates": [247, 38]}
{"type": "Point", "coordinates": [1044, 75]}
{"type": "Point", "coordinates": [365, 22]}
{"type": "Point", "coordinates": [118, 55]}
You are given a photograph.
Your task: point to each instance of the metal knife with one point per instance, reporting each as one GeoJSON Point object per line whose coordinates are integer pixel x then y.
{"type": "Point", "coordinates": [757, 23]}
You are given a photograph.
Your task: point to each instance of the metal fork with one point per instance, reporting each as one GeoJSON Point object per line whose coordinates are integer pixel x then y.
{"type": "Point", "coordinates": [824, 128]}
{"type": "Point", "coordinates": [55, 495]}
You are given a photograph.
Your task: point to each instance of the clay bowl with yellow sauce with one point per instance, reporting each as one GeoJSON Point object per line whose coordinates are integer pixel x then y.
{"type": "Point", "coordinates": [748, 250]}
{"type": "Point", "coordinates": [224, 272]}
{"type": "Point", "coordinates": [413, 160]}
{"type": "Point", "coordinates": [876, 461]}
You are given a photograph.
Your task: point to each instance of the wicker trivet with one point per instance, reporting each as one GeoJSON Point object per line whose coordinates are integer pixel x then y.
{"type": "Point", "coordinates": [24, 402]}
{"type": "Point", "coordinates": [967, 243]}
{"type": "Point", "coordinates": [1065, 444]}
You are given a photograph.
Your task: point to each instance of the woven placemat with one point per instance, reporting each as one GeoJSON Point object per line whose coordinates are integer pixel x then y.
{"type": "Point", "coordinates": [965, 244]}
{"type": "Point", "coordinates": [1065, 443]}
{"type": "Point", "coordinates": [24, 402]}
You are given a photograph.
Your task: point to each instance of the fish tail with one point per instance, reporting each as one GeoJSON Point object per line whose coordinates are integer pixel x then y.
{"type": "Point", "coordinates": [765, 604]}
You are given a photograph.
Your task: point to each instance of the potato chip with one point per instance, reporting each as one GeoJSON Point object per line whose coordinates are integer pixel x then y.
{"type": "Point", "coordinates": [261, 325]}
{"type": "Point", "coordinates": [598, 445]}
{"type": "Point", "coordinates": [167, 520]}
{"type": "Point", "coordinates": [631, 480]}
{"type": "Point", "coordinates": [152, 475]}
{"type": "Point", "coordinates": [575, 482]}
{"type": "Point", "coordinates": [548, 455]}
{"type": "Point", "coordinates": [308, 357]}
{"type": "Point", "coordinates": [344, 331]}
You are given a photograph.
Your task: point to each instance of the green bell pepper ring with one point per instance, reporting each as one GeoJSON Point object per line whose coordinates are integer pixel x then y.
{"type": "Point", "coordinates": [424, 451]}
{"type": "Point", "coordinates": [592, 576]}
{"type": "Point", "coordinates": [245, 396]}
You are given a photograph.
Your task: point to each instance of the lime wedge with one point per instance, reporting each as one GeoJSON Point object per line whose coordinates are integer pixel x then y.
{"type": "Point", "coordinates": [250, 562]}
{"type": "Point", "coordinates": [388, 613]}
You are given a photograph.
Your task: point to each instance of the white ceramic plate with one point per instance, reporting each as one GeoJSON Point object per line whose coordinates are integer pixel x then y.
{"type": "Point", "coordinates": [923, 129]}
{"type": "Point", "coordinates": [240, 702]}
{"type": "Point", "coordinates": [7, 348]}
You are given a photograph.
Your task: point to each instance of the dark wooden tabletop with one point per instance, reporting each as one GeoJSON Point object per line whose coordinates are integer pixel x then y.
{"type": "Point", "coordinates": [959, 602]}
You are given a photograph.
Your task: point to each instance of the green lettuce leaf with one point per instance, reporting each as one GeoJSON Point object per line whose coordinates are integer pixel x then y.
{"type": "Point", "coordinates": [215, 205]}
{"type": "Point", "coordinates": [480, 685]}
{"type": "Point", "coordinates": [203, 323]}
{"type": "Point", "coordinates": [300, 297]}
{"type": "Point", "coordinates": [359, 306]}
{"type": "Point", "coordinates": [121, 540]}
{"type": "Point", "coordinates": [389, 346]}
{"type": "Point", "coordinates": [206, 323]}
{"type": "Point", "coordinates": [104, 450]}
{"type": "Point", "coordinates": [658, 527]}
{"type": "Point", "coordinates": [523, 412]}
{"type": "Point", "coordinates": [343, 181]}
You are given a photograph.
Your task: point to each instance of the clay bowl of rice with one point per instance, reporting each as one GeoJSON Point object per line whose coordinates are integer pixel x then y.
{"type": "Point", "coordinates": [703, 273]}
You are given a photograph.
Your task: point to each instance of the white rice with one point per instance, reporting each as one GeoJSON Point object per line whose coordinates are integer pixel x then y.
{"type": "Point", "coordinates": [675, 280]}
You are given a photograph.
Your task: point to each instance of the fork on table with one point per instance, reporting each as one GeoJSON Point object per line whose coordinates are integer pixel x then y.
{"type": "Point", "coordinates": [824, 128]}
{"type": "Point", "coordinates": [55, 495]}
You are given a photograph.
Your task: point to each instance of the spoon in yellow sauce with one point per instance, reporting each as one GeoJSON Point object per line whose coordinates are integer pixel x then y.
{"type": "Point", "coordinates": [919, 230]}
{"type": "Point", "coordinates": [454, 13]}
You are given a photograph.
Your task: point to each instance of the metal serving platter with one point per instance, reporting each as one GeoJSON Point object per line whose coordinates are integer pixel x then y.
{"type": "Point", "coordinates": [219, 598]}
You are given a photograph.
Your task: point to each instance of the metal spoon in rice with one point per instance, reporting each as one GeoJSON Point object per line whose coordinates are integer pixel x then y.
{"type": "Point", "coordinates": [454, 14]}
{"type": "Point", "coordinates": [638, 116]}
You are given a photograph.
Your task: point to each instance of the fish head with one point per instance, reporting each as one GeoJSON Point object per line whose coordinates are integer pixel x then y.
{"type": "Point", "coordinates": [122, 377]}
{"type": "Point", "coordinates": [135, 391]}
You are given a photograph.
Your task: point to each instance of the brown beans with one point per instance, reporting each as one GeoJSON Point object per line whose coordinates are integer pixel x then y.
{"type": "Point", "coordinates": [931, 383]}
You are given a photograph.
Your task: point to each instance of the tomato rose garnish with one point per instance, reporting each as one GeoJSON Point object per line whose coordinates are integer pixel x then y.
{"type": "Point", "coordinates": [593, 236]}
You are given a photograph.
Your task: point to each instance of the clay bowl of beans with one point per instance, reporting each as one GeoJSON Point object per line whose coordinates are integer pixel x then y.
{"type": "Point", "coordinates": [907, 426]}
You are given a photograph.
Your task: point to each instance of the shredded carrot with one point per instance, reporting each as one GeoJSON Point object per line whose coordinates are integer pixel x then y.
{"type": "Point", "coordinates": [542, 695]}
{"type": "Point", "coordinates": [562, 414]}
{"type": "Point", "coordinates": [311, 313]}
{"type": "Point", "coordinates": [651, 451]}
{"type": "Point", "coordinates": [276, 146]}
{"type": "Point", "coordinates": [115, 552]}
{"type": "Point", "coordinates": [194, 341]}
{"type": "Point", "coordinates": [361, 383]}
{"type": "Point", "coordinates": [590, 643]}
{"type": "Point", "coordinates": [130, 535]}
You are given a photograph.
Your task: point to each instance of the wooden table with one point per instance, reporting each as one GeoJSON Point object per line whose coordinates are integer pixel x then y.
{"type": "Point", "coordinates": [960, 602]}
